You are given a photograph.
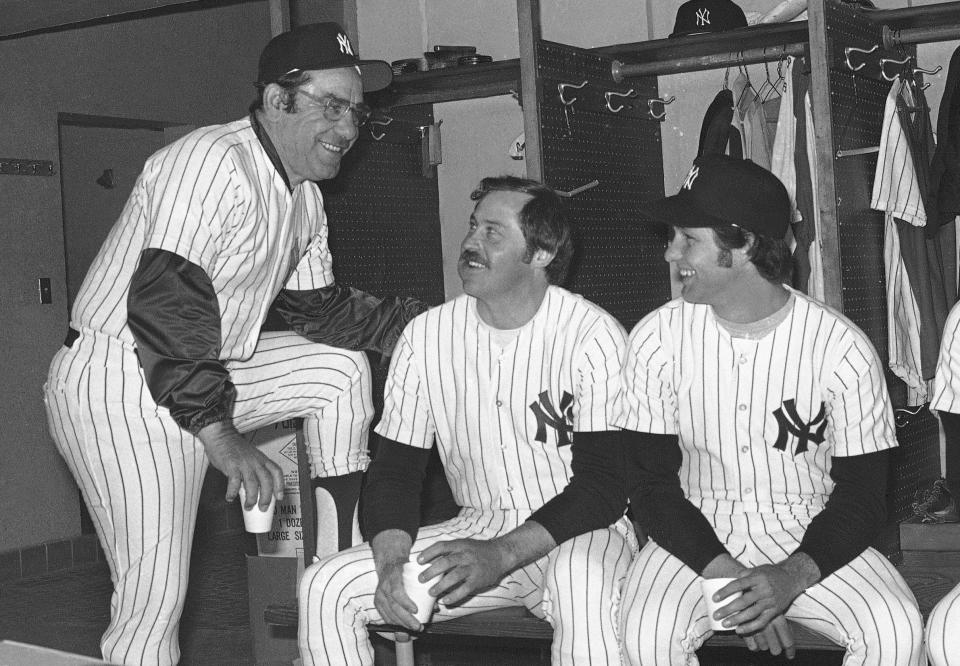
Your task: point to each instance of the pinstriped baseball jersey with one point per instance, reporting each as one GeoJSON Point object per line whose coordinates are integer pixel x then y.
{"type": "Point", "coordinates": [946, 384]}
{"type": "Point", "coordinates": [504, 441]}
{"type": "Point", "coordinates": [896, 188]}
{"type": "Point", "coordinates": [758, 420]}
{"type": "Point", "coordinates": [896, 191]}
{"type": "Point", "coordinates": [214, 198]}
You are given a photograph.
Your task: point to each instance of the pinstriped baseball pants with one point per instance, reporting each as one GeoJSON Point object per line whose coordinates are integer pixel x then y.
{"type": "Point", "coordinates": [576, 588]}
{"type": "Point", "coordinates": [943, 630]}
{"type": "Point", "coordinates": [865, 606]}
{"type": "Point", "coordinates": [141, 475]}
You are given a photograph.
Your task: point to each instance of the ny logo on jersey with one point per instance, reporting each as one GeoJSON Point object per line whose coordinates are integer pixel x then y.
{"type": "Point", "coordinates": [692, 176]}
{"type": "Point", "coordinates": [548, 416]}
{"type": "Point", "coordinates": [344, 42]}
{"type": "Point", "coordinates": [789, 422]}
{"type": "Point", "coordinates": [703, 16]}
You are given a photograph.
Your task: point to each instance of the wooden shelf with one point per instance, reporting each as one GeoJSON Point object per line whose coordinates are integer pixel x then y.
{"type": "Point", "coordinates": [452, 84]}
{"type": "Point", "coordinates": [503, 77]}
{"type": "Point", "coordinates": [769, 35]}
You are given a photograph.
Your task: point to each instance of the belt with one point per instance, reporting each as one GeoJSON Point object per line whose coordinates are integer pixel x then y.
{"type": "Point", "coordinates": [72, 335]}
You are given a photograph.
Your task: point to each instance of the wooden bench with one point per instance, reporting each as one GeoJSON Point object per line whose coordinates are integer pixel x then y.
{"type": "Point", "coordinates": [930, 574]}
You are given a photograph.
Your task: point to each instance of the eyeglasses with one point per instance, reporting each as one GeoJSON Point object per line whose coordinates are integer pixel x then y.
{"type": "Point", "coordinates": [334, 108]}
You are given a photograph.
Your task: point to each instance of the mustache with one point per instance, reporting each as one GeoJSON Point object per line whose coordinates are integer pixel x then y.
{"type": "Point", "coordinates": [470, 255]}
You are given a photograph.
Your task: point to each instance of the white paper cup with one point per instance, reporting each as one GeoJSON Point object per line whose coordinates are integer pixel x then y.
{"type": "Point", "coordinates": [255, 520]}
{"type": "Point", "coordinates": [418, 592]}
{"type": "Point", "coordinates": [709, 586]}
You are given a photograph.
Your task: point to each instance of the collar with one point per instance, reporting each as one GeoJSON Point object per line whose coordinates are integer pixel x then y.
{"type": "Point", "coordinates": [269, 148]}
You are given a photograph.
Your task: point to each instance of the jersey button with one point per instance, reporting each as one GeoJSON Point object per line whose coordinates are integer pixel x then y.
{"type": "Point", "coordinates": [747, 491]}
{"type": "Point", "coordinates": [509, 489]}
{"type": "Point", "coordinates": [499, 403]}
{"type": "Point", "coordinates": [743, 359]}
{"type": "Point", "coordinates": [742, 408]}
{"type": "Point", "coordinates": [745, 448]}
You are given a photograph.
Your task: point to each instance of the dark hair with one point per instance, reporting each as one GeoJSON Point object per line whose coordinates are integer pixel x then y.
{"type": "Point", "coordinates": [289, 82]}
{"type": "Point", "coordinates": [543, 220]}
{"type": "Point", "coordinates": [771, 256]}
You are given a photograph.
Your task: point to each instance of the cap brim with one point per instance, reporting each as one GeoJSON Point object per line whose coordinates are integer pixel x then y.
{"type": "Point", "coordinates": [376, 74]}
{"type": "Point", "coordinates": [677, 211]}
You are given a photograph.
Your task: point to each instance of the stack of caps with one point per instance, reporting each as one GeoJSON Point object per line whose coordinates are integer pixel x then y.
{"type": "Point", "coordinates": [473, 59]}
{"type": "Point", "coordinates": [405, 66]}
{"type": "Point", "coordinates": [451, 56]}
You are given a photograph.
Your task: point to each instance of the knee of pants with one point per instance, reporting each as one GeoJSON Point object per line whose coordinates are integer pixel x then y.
{"type": "Point", "coordinates": [322, 588]}
{"type": "Point", "coordinates": [904, 631]}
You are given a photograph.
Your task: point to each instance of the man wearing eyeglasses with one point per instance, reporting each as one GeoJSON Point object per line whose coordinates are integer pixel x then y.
{"type": "Point", "coordinates": [166, 363]}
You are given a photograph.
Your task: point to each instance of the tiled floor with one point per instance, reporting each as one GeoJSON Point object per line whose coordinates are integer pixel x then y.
{"type": "Point", "coordinates": [69, 610]}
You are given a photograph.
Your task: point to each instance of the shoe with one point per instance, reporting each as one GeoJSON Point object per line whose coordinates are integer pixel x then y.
{"type": "Point", "coordinates": [936, 505]}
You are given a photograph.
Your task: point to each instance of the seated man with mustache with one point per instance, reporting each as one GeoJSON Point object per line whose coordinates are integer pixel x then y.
{"type": "Point", "coordinates": [515, 382]}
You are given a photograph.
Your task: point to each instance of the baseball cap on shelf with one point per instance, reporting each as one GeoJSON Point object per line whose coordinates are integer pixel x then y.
{"type": "Point", "coordinates": [721, 190]}
{"type": "Point", "coordinates": [319, 46]}
{"type": "Point", "coordinates": [699, 16]}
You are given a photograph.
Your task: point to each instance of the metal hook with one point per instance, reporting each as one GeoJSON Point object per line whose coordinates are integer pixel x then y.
{"type": "Point", "coordinates": [663, 101]}
{"type": "Point", "coordinates": [886, 61]}
{"type": "Point", "coordinates": [853, 49]}
{"type": "Point", "coordinates": [577, 190]}
{"type": "Point", "coordinates": [382, 123]}
{"type": "Point", "coordinates": [921, 70]}
{"type": "Point", "coordinates": [562, 88]}
{"type": "Point", "coordinates": [609, 94]}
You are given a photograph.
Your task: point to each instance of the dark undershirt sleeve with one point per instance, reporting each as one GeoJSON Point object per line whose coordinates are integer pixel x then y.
{"type": "Point", "coordinates": [595, 496]}
{"type": "Point", "coordinates": [391, 499]}
{"type": "Point", "coordinates": [652, 463]}
{"type": "Point", "coordinates": [854, 512]}
{"type": "Point", "coordinates": [347, 318]}
{"type": "Point", "coordinates": [174, 316]}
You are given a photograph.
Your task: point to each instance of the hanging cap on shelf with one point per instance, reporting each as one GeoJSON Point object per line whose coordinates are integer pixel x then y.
{"type": "Point", "coordinates": [699, 16]}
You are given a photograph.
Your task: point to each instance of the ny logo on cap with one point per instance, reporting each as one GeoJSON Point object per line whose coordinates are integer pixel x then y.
{"type": "Point", "coordinates": [344, 42]}
{"type": "Point", "coordinates": [790, 422]}
{"type": "Point", "coordinates": [703, 16]}
{"type": "Point", "coordinates": [692, 176]}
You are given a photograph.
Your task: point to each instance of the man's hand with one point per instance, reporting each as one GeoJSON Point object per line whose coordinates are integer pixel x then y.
{"type": "Point", "coordinates": [768, 591]}
{"type": "Point", "coordinates": [767, 631]}
{"type": "Point", "coordinates": [775, 638]}
{"type": "Point", "coordinates": [391, 550]}
{"type": "Point", "coordinates": [242, 463]}
{"type": "Point", "coordinates": [468, 566]}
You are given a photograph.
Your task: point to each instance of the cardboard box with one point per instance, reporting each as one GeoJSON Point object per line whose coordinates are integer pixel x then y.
{"type": "Point", "coordinates": [272, 580]}
{"type": "Point", "coordinates": [279, 443]}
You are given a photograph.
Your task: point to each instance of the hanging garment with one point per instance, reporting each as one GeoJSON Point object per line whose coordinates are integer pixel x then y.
{"type": "Point", "coordinates": [749, 121]}
{"type": "Point", "coordinates": [944, 186]}
{"type": "Point", "coordinates": [782, 162]}
{"type": "Point", "coordinates": [919, 265]}
{"type": "Point", "coordinates": [717, 135]}
{"type": "Point", "coordinates": [804, 228]}
{"type": "Point", "coordinates": [815, 282]}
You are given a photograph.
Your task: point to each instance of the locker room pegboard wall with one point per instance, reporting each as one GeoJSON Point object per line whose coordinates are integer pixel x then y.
{"type": "Point", "coordinates": [384, 219]}
{"type": "Point", "coordinates": [619, 263]}
{"type": "Point", "coordinates": [383, 213]}
{"type": "Point", "coordinates": [857, 104]}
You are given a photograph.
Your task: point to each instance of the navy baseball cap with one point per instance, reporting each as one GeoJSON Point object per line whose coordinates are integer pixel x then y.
{"type": "Point", "coordinates": [319, 46]}
{"type": "Point", "coordinates": [699, 16]}
{"type": "Point", "coordinates": [721, 190]}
